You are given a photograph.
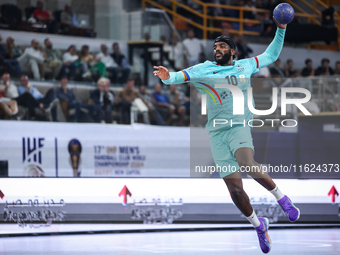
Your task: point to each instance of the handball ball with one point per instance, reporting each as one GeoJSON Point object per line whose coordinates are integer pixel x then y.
{"type": "Point", "coordinates": [283, 13]}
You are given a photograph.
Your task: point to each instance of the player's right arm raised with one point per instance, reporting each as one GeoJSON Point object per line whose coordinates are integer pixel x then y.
{"type": "Point", "coordinates": [274, 49]}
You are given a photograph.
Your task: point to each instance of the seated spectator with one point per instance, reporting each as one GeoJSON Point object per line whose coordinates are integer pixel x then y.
{"type": "Point", "coordinates": [154, 114]}
{"type": "Point", "coordinates": [8, 89]}
{"type": "Point", "coordinates": [68, 101]}
{"type": "Point", "coordinates": [45, 17]}
{"type": "Point", "coordinates": [13, 52]}
{"type": "Point", "coordinates": [324, 69]}
{"type": "Point", "coordinates": [104, 99]}
{"type": "Point", "coordinates": [47, 102]}
{"type": "Point", "coordinates": [11, 64]}
{"type": "Point", "coordinates": [67, 17]}
{"type": "Point", "coordinates": [162, 104]}
{"type": "Point", "coordinates": [276, 71]}
{"type": "Point", "coordinates": [110, 64]}
{"type": "Point", "coordinates": [289, 69]}
{"type": "Point", "coordinates": [55, 59]}
{"type": "Point", "coordinates": [88, 61]}
{"type": "Point", "coordinates": [308, 70]}
{"type": "Point", "coordinates": [122, 62]}
{"type": "Point", "coordinates": [33, 60]}
{"type": "Point", "coordinates": [337, 68]}
{"type": "Point", "coordinates": [178, 100]}
{"type": "Point", "coordinates": [243, 49]}
{"type": "Point", "coordinates": [40, 14]}
{"type": "Point", "coordinates": [128, 96]}
{"type": "Point", "coordinates": [71, 61]}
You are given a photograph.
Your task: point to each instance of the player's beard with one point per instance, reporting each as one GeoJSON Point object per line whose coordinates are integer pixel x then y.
{"type": "Point", "coordinates": [225, 58]}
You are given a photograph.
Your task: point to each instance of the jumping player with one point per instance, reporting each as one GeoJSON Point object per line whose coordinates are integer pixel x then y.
{"type": "Point", "coordinates": [232, 145]}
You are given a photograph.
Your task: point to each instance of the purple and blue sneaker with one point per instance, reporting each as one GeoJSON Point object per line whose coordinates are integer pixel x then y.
{"type": "Point", "coordinates": [262, 233]}
{"type": "Point", "coordinates": [289, 208]}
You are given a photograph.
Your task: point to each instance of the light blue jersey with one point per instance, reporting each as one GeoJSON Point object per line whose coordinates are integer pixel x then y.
{"type": "Point", "coordinates": [205, 76]}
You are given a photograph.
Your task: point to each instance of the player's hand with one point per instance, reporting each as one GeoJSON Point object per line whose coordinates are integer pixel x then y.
{"type": "Point", "coordinates": [161, 72]}
{"type": "Point", "coordinates": [279, 25]}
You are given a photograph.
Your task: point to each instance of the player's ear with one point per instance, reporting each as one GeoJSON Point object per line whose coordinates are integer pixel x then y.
{"type": "Point", "coordinates": [232, 52]}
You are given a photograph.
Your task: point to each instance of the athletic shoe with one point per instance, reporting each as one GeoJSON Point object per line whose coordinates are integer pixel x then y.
{"type": "Point", "coordinates": [262, 233]}
{"type": "Point", "coordinates": [289, 208]}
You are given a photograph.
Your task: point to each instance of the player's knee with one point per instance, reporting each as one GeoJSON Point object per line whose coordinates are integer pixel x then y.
{"type": "Point", "coordinates": [244, 162]}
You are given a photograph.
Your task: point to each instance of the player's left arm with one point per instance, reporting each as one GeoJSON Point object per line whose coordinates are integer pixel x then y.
{"type": "Point", "coordinates": [274, 49]}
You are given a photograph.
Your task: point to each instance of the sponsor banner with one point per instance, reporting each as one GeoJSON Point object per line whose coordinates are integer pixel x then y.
{"type": "Point", "coordinates": [35, 149]}
{"type": "Point", "coordinates": [156, 200]}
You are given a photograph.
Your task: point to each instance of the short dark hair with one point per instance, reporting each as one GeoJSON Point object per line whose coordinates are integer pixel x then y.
{"type": "Point", "coordinates": [46, 39]}
{"type": "Point", "coordinates": [324, 60]}
{"type": "Point", "coordinates": [307, 61]}
{"type": "Point", "coordinates": [337, 62]}
{"type": "Point", "coordinates": [289, 60]}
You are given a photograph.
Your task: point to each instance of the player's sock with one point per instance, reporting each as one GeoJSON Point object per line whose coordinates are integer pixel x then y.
{"type": "Point", "coordinates": [254, 220]}
{"type": "Point", "coordinates": [277, 193]}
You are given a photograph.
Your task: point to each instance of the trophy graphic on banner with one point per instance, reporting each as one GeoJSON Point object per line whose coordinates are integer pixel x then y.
{"type": "Point", "coordinates": [74, 148]}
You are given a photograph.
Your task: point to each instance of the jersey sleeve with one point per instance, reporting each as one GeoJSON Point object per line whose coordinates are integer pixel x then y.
{"type": "Point", "coordinates": [271, 54]}
{"type": "Point", "coordinates": [186, 75]}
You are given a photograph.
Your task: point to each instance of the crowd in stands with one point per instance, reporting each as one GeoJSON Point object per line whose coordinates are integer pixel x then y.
{"type": "Point", "coordinates": [46, 62]}
{"type": "Point", "coordinates": [24, 101]}
{"type": "Point", "coordinates": [40, 20]}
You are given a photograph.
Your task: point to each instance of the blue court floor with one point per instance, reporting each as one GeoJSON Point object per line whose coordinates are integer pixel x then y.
{"type": "Point", "coordinates": [239, 242]}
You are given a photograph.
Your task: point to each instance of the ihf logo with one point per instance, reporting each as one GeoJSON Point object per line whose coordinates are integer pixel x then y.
{"type": "Point", "coordinates": [31, 149]}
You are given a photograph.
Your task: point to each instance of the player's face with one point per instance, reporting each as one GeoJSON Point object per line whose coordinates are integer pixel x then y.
{"type": "Point", "coordinates": [222, 53]}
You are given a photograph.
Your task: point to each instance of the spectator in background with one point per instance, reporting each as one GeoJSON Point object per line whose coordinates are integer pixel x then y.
{"type": "Point", "coordinates": [11, 64]}
{"type": "Point", "coordinates": [33, 60]}
{"type": "Point", "coordinates": [45, 17]}
{"type": "Point", "coordinates": [70, 59]}
{"type": "Point", "coordinates": [193, 48]}
{"type": "Point", "coordinates": [178, 100]}
{"type": "Point", "coordinates": [154, 114]}
{"type": "Point", "coordinates": [46, 103]}
{"type": "Point", "coordinates": [128, 96]}
{"type": "Point", "coordinates": [110, 65]}
{"type": "Point", "coordinates": [337, 68]}
{"type": "Point", "coordinates": [276, 71]}
{"type": "Point", "coordinates": [176, 52]}
{"type": "Point", "coordinates": [289, 69]}
{"type": "Point", "coordinates": [40, 14]}
{"type": "Point", "coordinates": [243, 49]}
{"type": "Point", "coordinates": [122, 62]}
{"type": "Point", "coordinates": [249, 14]}
{"type": "Point", "coordinates": [67, 17]}
{"type": "Point", "coordinates": [308, 70]}
{"type": "Point", "coordinates": [54, 59]}
{"type": "Point", "coordinates": [162, 104]}
{"type": "Point", "coordinates": [324, 69]}
{"type": "Point", "coordinates": [88, 61]}
{"type": "Point", "coordinates": [13, 52]}
{"type": "Point", "coordinates": [103, 98]}
{"type": "Point", "coordinates": [8, 89]}
{"type": "Point", "coordinates": [68, 101]}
